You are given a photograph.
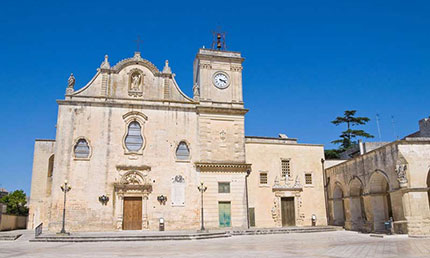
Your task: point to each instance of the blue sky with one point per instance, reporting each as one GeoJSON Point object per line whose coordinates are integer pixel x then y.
{"type": "Point", "coordinates": [306, 62]}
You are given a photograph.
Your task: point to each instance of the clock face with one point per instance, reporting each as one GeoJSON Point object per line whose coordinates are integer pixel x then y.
{"type": "Point", "coordinates": [221, 80]}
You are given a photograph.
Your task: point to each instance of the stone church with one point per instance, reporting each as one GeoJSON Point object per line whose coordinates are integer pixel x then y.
{"type": "Point", "coordinates": [134, 149]}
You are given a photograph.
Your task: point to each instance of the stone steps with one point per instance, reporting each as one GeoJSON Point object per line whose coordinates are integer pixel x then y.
{"type": "Point", "coordinates": [284, 230]}
{"type": "Point", "coordinates": [9, 237]}
{"type": "Point", "coordinates": [119, 238]}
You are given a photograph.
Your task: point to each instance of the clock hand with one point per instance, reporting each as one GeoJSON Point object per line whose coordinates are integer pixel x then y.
{"type": "Point", "coordinates": [222, 80]}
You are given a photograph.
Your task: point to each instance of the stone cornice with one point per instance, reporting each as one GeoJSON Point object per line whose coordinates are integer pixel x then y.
{"type": "Point", "coordinates": [221, 110]}
{"type": "Point", "coordinates": [212, 54]}
{"type": "Point", "coordinates": [223, 167]}
{"type": "Point", "coordinates": [139, 168]}
{"type": "Point", "coordinates": [277, 188]}
{"type": "Point", "coordinates": [44, 140]}
{"type": "Point", "coordinates": [191, 107]}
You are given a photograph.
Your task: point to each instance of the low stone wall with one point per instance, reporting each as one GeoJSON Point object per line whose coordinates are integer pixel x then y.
{"type": "Point", "coordinates": [11, 222]}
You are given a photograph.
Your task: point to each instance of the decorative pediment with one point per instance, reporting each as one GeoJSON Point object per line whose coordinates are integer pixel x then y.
{"type": "Point", "coordinates": [134, 181]}
{"type": "Point", "coordinates": [136, 59]}
{"type": "Point", "coordinates": [285, 185]}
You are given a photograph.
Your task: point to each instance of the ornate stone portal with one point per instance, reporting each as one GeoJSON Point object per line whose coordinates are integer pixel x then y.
{"type": "Point", "coordinates": [133, 183]}
{"type": "Point", "coordinates": [285, 189]}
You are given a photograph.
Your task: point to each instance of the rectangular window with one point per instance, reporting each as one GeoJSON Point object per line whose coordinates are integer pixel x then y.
{"type": "Point", "coordinates": [223, 187]}
{"type": "Point", "coordinates": [285, 165]}
{"type": "Point", "coordinates": [308, 179]}
{"type": "Point", "coordinates": [263, 178]}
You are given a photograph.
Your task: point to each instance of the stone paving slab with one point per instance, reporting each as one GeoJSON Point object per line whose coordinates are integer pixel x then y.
{"type": "Point", "coordinates": [325, 244]}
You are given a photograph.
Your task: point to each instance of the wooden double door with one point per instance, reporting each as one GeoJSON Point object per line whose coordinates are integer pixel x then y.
{"type": "Point", "coordinates": [132, 216]}
{"type": "Point", "coordinates": [288, 211]}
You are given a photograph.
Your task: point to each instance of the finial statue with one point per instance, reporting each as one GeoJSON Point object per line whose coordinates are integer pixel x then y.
{"type": "Point", "coordinates": [166, 68]}
{"type": "Point", "coordinates": [196, 92]}
{"type": "Point", "coordinates": [71, 81]}
{"type": "Point", "coordinates": [105, 64]}
{"type": "Point", "coordinates": [70, 84]}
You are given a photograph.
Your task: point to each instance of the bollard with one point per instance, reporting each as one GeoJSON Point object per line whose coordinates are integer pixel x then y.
{"type": "Point", "coordinates": [161, 224]}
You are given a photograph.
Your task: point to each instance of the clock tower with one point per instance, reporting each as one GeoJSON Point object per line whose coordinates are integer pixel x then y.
{"type": "Point", "coordinates": [218, 78]}
{"type": "Point", "coordinates": [221, 112]}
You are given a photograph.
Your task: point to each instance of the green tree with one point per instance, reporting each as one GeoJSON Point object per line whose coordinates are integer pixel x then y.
{"type": "Point", "coordinates": [347, 137]}
{"type": "Point", "coordinates": [332, 154]}
{"type": "Point", "coordinates": [15, 203]}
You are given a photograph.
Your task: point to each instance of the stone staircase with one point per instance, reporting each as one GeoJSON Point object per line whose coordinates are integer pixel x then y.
{"type": "Point", "coordinates": [9, 237]}
{"type": "Point", "coordinates": [134, 237]}
{"type": "Point", "coordinates": [286, 230]}
{"type": "Point", "coordinates": [173, 235]}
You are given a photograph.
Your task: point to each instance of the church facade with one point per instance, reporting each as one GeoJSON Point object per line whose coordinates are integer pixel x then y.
{"type": "Point", "coordinates": [135, 149]}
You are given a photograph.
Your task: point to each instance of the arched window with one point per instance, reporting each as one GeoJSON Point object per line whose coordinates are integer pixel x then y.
{"type": "Point", "coordinates": [82, 149]}
{"type": "Point", "coordinates": [50, 165]}
{"type": "Point", "coordinates": [134, 139]}
{"type": "Point", "coordinates": [182, 152]}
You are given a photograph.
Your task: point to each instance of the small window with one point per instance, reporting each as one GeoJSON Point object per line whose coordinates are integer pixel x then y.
{"type": "Point", "coordinates": [263, 178]}
{"type": "Point", "coordinates": [223, 187]}
{"type": "Point", "coordinates": [134, 139]}
{"type": "Point", "coordinates": [50, 165]}
{"type": "Point", "coordinates": [182, 152]}
{"type": "Point", "coordinates": [285, 166]}
{"type": "Point", "coordinates": [308, 179]}
{"type": "Point", "coordinates": [82, 150]}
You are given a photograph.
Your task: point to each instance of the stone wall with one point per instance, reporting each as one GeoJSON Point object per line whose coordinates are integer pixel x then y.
{"type": "Point", "coordinates": [390, 181]}
{"type": "Point", "coordinates": [41, 183]}
{"type": "Point", "coordinates": [12, 222]}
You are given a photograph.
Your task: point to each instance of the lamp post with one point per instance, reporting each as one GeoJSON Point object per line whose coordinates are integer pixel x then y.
{"type": "Point", "coordinates": [65, 188]}
{"type": "Point", "coordinates": [202, 189]}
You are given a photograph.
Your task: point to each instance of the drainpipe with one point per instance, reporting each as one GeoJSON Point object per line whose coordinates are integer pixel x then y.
{"type": "Point", "coordinates": [246, 196]}
{"type": "Point", "coordinates": [325, 183]}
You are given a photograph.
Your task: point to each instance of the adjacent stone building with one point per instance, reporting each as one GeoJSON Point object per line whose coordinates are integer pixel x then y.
{"type": "Point", "coordinates": [391, 181]}
{"type": "Point", "coordinates": [134, 148]}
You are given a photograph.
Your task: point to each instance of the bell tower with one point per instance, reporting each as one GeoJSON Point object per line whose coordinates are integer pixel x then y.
{"type": "Point", "coordinates": [218, 76]}
{"type": "Point", "coordinates": [218, 91]}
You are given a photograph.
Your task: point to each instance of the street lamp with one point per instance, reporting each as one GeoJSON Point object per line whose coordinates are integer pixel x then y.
{"type": "Point", "coordinates": [202, 189]}
{"type": "Point", "coordinates": [65, 188]}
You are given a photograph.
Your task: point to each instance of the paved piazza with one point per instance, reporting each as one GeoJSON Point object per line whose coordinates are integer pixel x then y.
{"type": "Point", "coordinates": [329, 244]}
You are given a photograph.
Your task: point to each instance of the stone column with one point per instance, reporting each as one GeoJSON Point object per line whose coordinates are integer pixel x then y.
{"type": "Point", "coordinates": [145, 222]}
{"type": "Point", "coordinates": [347, 212]}
{"type": "Point", "coordinates": [368, 224]}
{"type": "Point", "coordinates": [417, 213]}
{"type": "Point", "coordinates": [119, 211]}
{"type": "Point", "coordinates": [330, 212]}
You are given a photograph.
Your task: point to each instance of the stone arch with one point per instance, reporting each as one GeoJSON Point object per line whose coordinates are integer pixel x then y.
{"type": "Point", "coordinates": [338, 205]}
{"type": "Point", "coordinates": [380, 200]}
{"type": "Point", "coordinates": [357, 209]}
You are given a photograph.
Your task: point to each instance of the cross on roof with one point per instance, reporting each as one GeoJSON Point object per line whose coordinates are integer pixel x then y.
{"type": "Point", "coordinates": [138, 41]}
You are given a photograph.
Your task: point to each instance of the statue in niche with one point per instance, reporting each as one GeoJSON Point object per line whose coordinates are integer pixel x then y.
{"type": "Point", "coordinates": [135, 83]}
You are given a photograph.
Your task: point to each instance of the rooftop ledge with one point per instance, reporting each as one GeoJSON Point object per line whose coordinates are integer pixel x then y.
{"type": "Point", "coordinates": [220, 53]}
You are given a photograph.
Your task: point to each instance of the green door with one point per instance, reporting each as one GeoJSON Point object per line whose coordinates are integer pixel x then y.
{"type": "Point", "coordinates": [224, 214]}
{"type": "Point", "coordinates": [251, 217]}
